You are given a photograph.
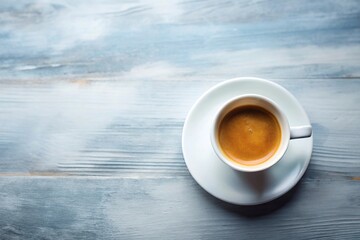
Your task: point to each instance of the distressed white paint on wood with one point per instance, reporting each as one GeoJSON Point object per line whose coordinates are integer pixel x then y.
{"type": "Point", "coordinates": [175, 208]}
{"type": "Point", "coordinates": [145, 39]}
{"type": "Point", "coordinates": [120, 127]}
{"type": "Point", "coordinates": [93, 96]}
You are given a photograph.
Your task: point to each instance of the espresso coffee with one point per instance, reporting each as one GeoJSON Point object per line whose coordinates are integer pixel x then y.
{"type": "Point", "coordinates": [249, 135]}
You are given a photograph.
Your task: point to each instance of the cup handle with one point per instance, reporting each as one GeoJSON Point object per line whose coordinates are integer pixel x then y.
{"type": "Point", "coordinates": [300, 132]}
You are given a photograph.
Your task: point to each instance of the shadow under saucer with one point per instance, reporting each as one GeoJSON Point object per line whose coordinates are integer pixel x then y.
{"type": "Point", "coordinates": [259, 182]}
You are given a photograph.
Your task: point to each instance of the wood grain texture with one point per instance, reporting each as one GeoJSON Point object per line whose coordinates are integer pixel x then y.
{"type": "Point", "coordinates": [171, 208]}
{"type": "Point", "coordinates": [134, 128]}
{"type": "Point", "coordinates": [93, 96]}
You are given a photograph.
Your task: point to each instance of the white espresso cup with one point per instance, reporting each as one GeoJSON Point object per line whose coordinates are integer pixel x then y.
{"type": "Point", "coordinates": [287, 132]}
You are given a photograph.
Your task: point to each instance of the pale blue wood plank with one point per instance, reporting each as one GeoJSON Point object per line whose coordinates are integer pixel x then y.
{"type": "Point", "coordinates": [177, 208]}
{"type": "Point", "coordinates": [134, 128]}
{"type": "Point", "coordinates": [213, 39]}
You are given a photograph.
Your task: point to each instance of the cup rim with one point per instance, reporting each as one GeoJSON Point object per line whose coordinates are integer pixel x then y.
{"type": "Point", "coordinates": [268, 163]}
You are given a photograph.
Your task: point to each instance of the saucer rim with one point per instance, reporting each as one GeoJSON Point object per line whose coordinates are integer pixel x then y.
{"type": "Point", "coordinates": [288, 95]}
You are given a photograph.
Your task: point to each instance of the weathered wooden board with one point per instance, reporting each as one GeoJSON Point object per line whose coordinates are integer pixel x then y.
{"type": "Point", "coordinates": [114, 128]}
{"type": "Point", "coordinates": [170, 208]}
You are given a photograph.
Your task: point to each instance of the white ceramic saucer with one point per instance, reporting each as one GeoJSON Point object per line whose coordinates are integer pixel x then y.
{"type": "Point", "coordinates": [219, 179]}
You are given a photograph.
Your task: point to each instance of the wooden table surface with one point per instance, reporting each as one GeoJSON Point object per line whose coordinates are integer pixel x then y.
{"type": "Point", "coordinates": [93, 96]}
